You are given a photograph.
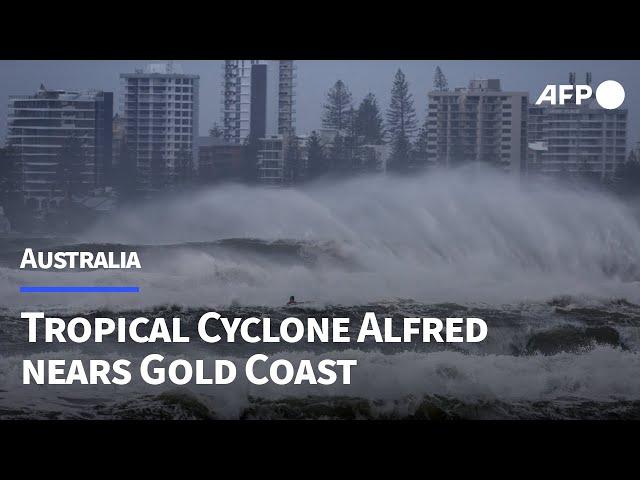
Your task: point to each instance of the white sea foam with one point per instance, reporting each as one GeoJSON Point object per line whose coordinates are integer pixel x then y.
{"type": "Point", "coordinates": [601, 375]}
{"type": "Point", "coordinates": [449, 236]}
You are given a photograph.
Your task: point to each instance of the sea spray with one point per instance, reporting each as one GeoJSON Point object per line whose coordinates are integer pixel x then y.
{"type": "Point", "coordinates": [553, 271]}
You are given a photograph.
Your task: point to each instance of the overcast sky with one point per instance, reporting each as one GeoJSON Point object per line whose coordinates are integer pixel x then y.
{"type": "Point", "coordinates": [315, 77]}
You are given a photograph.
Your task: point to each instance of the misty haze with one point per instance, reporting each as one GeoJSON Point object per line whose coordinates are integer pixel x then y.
{"type": "Point", "coordinates": [442, 199]}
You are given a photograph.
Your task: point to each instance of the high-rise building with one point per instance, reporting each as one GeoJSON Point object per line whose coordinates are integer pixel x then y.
{"type": "Point", "coordinates": [160, 111]}
{"type": "Point", "coordinates": [62, 141]}
{"type": "Point", "coordinates": [240, 95]}
{"type": "Point", "coordinates": [286, 97]}
{"type": "Point", "coordinates": [257, 99]}
{"type": "Point", "coordinates": [584, 139]}
{"type": "Point", "coordinates": [480, 123]}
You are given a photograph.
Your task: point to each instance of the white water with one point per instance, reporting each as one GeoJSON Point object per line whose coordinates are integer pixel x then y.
{"type": "Point", "coordinates": [601, 375]}
{"type": "Point", "coordinates": [448, 236]}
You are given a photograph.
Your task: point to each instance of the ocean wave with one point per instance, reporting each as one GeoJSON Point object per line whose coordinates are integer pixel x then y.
{"type": "Point", "coordinates": [440, 237]}
{"type": "Point", "coordinates": [446, 384]}
{"type": "Point", "coordinates": [513, 329]}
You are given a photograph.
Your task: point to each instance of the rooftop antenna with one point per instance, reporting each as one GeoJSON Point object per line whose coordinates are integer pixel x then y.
{"type": "Point", "coordinates": [572, 78]}
{"type": "Point", "coordinates": [588, 78]}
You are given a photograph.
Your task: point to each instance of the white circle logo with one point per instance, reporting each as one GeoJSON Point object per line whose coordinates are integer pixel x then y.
{"type": "Point", "coordinates": [610, 94]}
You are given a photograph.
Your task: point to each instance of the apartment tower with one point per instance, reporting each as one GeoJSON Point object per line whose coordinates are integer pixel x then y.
{"type": "Point", "coordinates": [577, 140]}
{"type": "Point", "coordinates": [62, 142]}
{"type": "Point", "coordinates": [480, 123]}
{"type": "Point", "coordinates": [160, 112]}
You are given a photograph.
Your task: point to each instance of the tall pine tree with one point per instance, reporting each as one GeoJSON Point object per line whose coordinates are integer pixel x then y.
{"type": "Point", "coordinates": [337, 108]}
{"type": "Point", "coordinates": [338, 158]}
{"type": "Point", "coordinates": [401, 124]}
{"type": "Point", "coordinates": [368, 121]}
{"type": "Point", "coordinates": [440, 81]}
{"type": "Point", "coordinates": [350, 129]}
{"type": "Point", "coordinates": [316, 158]}
{"type": "Point", "coordinates": [420, 147]}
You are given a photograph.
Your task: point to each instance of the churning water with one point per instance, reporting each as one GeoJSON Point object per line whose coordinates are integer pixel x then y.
{"type": "Point", "coordinates": [554, 272]}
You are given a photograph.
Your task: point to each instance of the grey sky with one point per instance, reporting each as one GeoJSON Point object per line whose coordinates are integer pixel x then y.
{"type": "Point", "coordinates": [315, 77]}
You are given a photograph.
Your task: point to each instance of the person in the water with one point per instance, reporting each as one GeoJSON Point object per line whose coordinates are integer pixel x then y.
{"type": "Point", "coordinates": [292, 300]}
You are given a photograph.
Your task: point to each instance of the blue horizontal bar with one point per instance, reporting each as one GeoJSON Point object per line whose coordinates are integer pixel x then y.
{"type": "Point", "coordinates": [64, 289]}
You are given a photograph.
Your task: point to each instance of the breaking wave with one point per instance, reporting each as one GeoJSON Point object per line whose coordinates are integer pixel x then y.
{"type": "Point", "coordinates": [553, 271]}
{"type": "Point", "coordinates": [437, 385]}
{"type": "Point", "coordinates": [455, 236]}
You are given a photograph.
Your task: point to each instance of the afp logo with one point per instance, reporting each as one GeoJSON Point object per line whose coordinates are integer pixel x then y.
{"type": "Point", "coordinates": [609, 94]}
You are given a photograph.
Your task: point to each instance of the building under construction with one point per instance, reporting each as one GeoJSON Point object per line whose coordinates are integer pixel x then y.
{"type": "Point", "coordinates": [257, 99]}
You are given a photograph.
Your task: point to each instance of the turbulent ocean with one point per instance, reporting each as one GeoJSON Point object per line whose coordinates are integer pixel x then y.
{"type": "Point", "coordinates": [554, 271]}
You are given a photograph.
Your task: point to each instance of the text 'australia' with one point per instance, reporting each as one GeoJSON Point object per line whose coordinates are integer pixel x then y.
{"type": "Point", "coordinates": [88, 260]}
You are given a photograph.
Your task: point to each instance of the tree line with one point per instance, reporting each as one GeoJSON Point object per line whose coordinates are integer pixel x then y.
{"type": "Point", "coordinates": [353, 125]}
{"type": "Point", "coordinates": [365, 125]}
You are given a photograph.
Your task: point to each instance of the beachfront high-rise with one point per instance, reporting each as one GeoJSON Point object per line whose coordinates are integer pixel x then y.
{"type": "Point", "coordinates": [160, 112]}
{"type": "Point", "coordinates": [61, 141]}
{"type": "Point", "coordinates": [578, 140]}
{"type": "Point", "coordinates": [480, 123]}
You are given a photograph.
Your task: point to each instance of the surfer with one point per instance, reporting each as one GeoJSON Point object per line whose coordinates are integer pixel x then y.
{"type": "Point", "coordinates": [292, 301]}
